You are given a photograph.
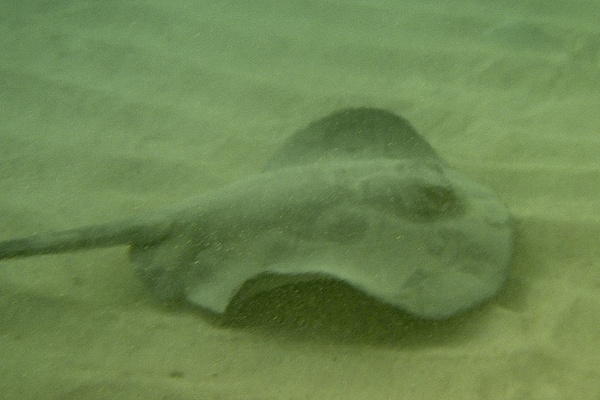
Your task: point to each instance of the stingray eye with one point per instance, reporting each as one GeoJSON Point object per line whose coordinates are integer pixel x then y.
{"type": "Point", "coordinates": [432, 201]}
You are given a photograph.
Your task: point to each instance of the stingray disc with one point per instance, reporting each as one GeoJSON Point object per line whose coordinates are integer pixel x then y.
{"type": "Point", "coordinates": [358, 197]}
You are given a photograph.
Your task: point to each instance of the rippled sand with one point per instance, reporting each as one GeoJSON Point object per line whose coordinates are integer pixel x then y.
{"type": "Point", "coordinates": [111, 108]}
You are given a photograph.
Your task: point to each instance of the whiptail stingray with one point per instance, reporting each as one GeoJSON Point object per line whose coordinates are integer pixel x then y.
{"type": "Point", "coordinates": [357, 196]}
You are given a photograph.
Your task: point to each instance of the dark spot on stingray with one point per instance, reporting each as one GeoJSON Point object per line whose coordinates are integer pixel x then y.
{"type": "Point", "coordinates": [413, 199]}
{"type": "Point", "coordinates": [433, 202]}
{"type": "Point", "coordinates": [176, 374]}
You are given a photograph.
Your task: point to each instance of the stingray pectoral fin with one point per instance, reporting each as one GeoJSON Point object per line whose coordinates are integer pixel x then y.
{"type": "Point", "coordinates": [105, 235]}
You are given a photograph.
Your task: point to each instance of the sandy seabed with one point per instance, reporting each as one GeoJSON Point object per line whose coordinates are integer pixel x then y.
{"type": "Point", "coordinates": [110, 108]}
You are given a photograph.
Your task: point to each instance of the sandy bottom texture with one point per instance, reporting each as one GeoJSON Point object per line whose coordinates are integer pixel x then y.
{"type": "Point", "coordinates": [109, 108]}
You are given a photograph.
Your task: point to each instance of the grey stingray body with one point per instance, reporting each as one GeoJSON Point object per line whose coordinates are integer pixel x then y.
{"type": "Point", "coordinates": [357, 197]}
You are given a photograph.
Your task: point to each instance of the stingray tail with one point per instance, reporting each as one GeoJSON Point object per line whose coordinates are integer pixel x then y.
{"type": "Point", "coordinates": [87, 237]}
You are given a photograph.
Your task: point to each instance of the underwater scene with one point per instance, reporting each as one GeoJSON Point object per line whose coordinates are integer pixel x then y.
{"type": "Point", "coordinates": [300, 199]}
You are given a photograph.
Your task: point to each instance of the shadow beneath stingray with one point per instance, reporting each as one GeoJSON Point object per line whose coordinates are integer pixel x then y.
{"type": "Point", "coordinates": [330, 311]}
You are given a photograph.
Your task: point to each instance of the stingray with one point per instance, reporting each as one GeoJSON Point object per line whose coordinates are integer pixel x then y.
{"type": "Point", "coordinates": [357, 197]}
